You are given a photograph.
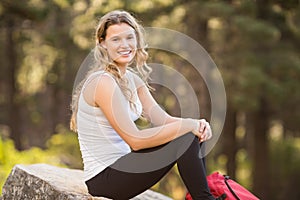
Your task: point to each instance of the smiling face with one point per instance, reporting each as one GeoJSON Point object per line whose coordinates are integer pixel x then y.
{"type": "Point", "coordinates": [121, 43]}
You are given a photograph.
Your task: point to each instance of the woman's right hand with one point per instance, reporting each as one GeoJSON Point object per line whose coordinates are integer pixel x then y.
{"type": "Point", "coordinates": [203, 130]}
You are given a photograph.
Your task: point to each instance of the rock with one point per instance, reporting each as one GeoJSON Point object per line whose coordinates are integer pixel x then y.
{"type": "Point", "coordinates": [46, 182]}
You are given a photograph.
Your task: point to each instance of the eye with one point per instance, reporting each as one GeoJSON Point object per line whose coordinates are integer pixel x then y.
{"type": "Point", "coordinates": [130, 37]}
{"type": "Point", "coordinates": [115, 39]}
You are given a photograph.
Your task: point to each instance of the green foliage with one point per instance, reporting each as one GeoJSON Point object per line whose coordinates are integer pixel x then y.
{"type": "Point", "coordinates": [243, 172]}
{"type": "Point", "coordinates": [63, 150]}
{"type": "Point", "coordinates": [285, 165]}
{"type": "Point", "coordinates": [67, 142]}
{"type": "Point", "coordinates": [216, 9]}
{"type": "Point", "coordinates": [251, 29]}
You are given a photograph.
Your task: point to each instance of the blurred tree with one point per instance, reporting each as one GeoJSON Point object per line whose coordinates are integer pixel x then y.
{"type": "Point", "coordinates": [14, 16]}
{"type": "Point", "coordinates": [253, 52]}
{"type": "Point", "coordinates": [255, 44]}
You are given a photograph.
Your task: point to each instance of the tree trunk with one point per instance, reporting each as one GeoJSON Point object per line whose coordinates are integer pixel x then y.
{"type": "Point", "coordinates": [13, 103]}
{"type": "Point", "coordinates": [230, 142]}
{"type": "Point", "coordinates": [261, 185]}
{"type": "Point", "coordinates": [261, 173]}
{"type": "Point", "coordinates": [198, 30]}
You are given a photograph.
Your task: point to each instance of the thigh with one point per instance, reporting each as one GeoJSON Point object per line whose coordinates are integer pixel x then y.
{"type": "Point", "coordinates": [153, 159]}
{"type": "Point", "coordinates": [138, 171]}
{"type": "Point", "coordinates": [119, 185]}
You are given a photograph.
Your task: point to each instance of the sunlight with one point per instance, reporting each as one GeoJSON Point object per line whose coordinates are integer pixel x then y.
{"type": "Point", "coordinates": [276, 131]}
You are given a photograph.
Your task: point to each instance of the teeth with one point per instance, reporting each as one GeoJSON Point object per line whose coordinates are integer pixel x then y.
{"type": "Point", "coordinates": [124, 52]}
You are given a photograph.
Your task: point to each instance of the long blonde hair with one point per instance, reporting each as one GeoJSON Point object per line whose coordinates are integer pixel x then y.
{"type": "Point", "coordinates": [104, 62]}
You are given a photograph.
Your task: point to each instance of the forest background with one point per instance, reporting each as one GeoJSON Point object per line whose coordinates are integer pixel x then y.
{"type": "Point", "coordinates": [254, 43]}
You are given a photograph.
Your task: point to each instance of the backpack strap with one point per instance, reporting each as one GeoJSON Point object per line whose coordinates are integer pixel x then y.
{"type": "Point", "coordinates": [230, 189]}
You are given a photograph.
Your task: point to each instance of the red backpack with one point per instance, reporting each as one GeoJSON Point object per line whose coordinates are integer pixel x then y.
{"type": "Point", "coordinates": [224, 188]}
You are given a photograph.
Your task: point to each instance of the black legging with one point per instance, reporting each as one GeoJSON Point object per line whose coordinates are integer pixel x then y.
{"type": "Point", "coordinates": [137, 171]}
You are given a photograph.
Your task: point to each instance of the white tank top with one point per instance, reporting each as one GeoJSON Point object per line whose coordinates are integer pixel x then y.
{"type": "Point", "coordinates": [100, 144]}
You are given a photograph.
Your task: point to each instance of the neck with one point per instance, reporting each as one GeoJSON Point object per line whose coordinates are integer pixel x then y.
{"type": "Point", "coordinates": [122, 69]}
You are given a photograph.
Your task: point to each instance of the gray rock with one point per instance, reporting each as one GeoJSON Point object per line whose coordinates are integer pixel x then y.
{"type": "Point", "coordinates": [46, 182]}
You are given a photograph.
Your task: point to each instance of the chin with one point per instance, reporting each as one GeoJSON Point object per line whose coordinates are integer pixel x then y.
{"type": "Point", "coordinates": [123, 61]}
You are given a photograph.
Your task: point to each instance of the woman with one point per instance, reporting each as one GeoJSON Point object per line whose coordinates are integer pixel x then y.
{"type": "Point", "coordinates": [121, 161]}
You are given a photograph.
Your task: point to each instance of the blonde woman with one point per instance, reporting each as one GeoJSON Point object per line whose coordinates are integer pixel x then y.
{"type": "Point", "coordinates": [120, 160]}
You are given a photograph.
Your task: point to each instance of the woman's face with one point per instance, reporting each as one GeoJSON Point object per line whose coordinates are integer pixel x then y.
{"type": "Point", "coordinates": [120, 43]}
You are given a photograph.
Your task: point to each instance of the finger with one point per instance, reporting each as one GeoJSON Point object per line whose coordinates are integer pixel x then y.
{"type": "Point", "coordinates": [206, 133]}
{"type": "Point", "coordinates": [202, 125]}
{"type": "Point", "coordinates": [203, 136]}
{"type": "Point", "coordinates": [210, 135]}
{"type": "Point", "coordinates": [202, 139]}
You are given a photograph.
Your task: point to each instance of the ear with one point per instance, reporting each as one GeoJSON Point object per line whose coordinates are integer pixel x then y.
{"type": "Point", "coordinates": [103, 44]}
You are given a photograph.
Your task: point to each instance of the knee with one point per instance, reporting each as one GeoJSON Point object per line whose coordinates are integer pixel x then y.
{"type": "Point", "coordinates": [187, 143]}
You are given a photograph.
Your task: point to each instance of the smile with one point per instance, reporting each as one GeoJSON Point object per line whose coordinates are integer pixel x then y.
{"type": "Point", "coordinates": [125, 53]}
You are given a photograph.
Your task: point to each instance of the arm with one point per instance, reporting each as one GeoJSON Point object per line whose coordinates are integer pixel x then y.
{"type": "Point", "coordinates": [112, 102]}
{"type": "Point", "coordinates": [157, 116]}
{"type": "Point", "coordinates": [152, 111]}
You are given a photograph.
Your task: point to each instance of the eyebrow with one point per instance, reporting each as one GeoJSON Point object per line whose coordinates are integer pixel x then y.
{"type": "Point", "coordinates": [125, 32]}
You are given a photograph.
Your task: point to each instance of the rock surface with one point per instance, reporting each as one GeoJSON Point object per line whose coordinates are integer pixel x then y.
{"type": "Point", "coordinates": [46, 182]}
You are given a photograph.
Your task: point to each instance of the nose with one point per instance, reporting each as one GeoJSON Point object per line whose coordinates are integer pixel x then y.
{"type": "Point", "coordinates": [124, 43]}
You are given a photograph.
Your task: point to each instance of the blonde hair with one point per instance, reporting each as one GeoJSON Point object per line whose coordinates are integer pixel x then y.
{"type": "Point", "coordinates": [104, 62]}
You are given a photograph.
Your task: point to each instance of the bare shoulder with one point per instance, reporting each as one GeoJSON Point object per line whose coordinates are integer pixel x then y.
{"type": "Point", "coordinates": [137, 80]}
{"type": "Point", "coordinates": [102, 81]}
{"type": "Point", "coordinates": [97, 87]}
